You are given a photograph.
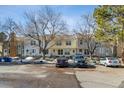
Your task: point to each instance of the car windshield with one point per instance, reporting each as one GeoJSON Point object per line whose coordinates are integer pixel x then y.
{"type": "Point", "coordinates": [112, 58]}
{"type": "Point", "coordinates": [102, 58]}
{"type": "Point", "coordinates": [79, 57]}
{"type": "Point", "coordinates": [62, 58]}
{"type": "Point", "coordinates": [15, 58]}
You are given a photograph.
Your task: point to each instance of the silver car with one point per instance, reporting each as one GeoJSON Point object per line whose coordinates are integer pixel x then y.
{"type": "Point", "coordinates": [110, 61]}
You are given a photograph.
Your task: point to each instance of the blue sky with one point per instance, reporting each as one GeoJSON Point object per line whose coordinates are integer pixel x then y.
{"type": "Point", "coordinates": [71, 13]}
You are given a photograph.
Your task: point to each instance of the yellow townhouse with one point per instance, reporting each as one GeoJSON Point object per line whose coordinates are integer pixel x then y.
{"type": "Point", "coordinates": [63, 45]}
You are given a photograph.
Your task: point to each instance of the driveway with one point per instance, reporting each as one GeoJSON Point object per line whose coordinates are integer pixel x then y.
{"type": "Point", "coordinates": [101, 77]}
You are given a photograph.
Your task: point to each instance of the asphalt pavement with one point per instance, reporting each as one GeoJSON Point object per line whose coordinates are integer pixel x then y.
{"type": "Point", "coordinates": [37, 76]}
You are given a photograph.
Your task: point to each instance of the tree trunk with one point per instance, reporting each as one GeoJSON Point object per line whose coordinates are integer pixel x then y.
{"type": "Point", "coordinates": [40, 47]}
{"type": "Point", "coordinates": [115, 51]}
{"type": "Point", "coordinates": [123, 55]}
{"type": "Point", "coordinates": [44, 54]}
{"type": "Point", "coordinates": [2, 54]}
{"type": "Point", "coordinates": [91, 55]}
{"type": "Point", "coordinates": [122, 45]}
{"type": "Point", "coordinates": [40, 51]}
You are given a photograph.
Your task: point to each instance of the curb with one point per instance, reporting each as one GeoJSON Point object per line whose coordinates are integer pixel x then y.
{"type": "Point", "coordinates": [77, 80]}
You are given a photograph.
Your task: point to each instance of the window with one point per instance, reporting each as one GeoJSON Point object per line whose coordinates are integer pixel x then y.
{"type": "Point", "coordinates": [22, 51]}
{"type": "Point", "coordinates": [46, 51]}
{"type": "Point", "coordinates": [81, 42]}
{"type": "Point", "coordinates": [86, 52]}
{"type": "Point", "coordinates": [68, 43]}
{"type": "Point", "coordinates": [33, 50]}
{"type": "Point", "coordinates": [80, 50]}
{"type": "Point", "coordinates": [5, 51]}
{"type": "Point", "coordinates": [58, 43]}
{"type": "Point", "coordinates": [67, 53]}
{"type": "Point", "coordinates": [27, 50]}
{"type": "Point", "coordinates": [19, 46]}
{"type": "Point", "coordinates": [73, 51]}
{"type": "Point", "coordinates": [54, 50]}
{"type": "Point", "coordinates": [33, 42]}
{"type": "Point", "coordinates": [22, 46]}
{"type": "Point", "coordinates": [60, 52]}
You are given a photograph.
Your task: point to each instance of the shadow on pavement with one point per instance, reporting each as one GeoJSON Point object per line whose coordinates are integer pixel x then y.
{"type": "Point", "coordinates": [116, 66]}
{"type": "Point", "coordinates": [85, 66]}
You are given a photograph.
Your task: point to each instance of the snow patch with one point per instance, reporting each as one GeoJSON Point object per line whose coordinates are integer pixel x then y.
{"type": "Point", "coordinates": [69, 73]}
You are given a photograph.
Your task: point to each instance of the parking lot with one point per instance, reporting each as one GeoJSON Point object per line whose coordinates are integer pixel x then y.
{"type": "Point", "coordinates": [48, 76]}
{"type": "Point", "coordinates": [37, 76]}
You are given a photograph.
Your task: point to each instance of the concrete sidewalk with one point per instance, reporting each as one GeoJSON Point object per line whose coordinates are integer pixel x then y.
{"type": "Point", "coordinates": [101, 77]}
{"type": "Point", "coordinates": [94, 80]}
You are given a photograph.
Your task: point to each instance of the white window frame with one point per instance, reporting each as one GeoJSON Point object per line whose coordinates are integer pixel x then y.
{"type": "Point", "coordinates": [68, 43]}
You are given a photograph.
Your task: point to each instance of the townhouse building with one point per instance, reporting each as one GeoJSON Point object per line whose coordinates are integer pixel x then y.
{"type": "Point", "coordinates": [65, 45]}
{"type": "Point", "coordinates": [1, 49]}
{"type": "Point", "coordinates": [62, 45]}
{"type": "Point", "coordinates": [27, 47]}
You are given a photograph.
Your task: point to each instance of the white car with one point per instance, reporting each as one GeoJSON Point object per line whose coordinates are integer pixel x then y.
{"type": "Point", "coordinates": [27, 60]}
{"type": "Point", "coordinates": [110, 61]}
{"type": "Point", "coordinates": [15, 59]}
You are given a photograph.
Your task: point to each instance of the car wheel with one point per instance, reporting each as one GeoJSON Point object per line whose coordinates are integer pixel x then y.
{"type": "Point", "coordinates": [117, 66]}
{"type": "Point", "coordinates": [74, 66]}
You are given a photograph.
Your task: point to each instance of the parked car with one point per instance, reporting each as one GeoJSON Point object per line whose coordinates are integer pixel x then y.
{"type": "Point", "coordinates": [5, 59]}
{"type": "Point", "coordinates": [15, 59]}
{"type": "Point", "coordinates": [27, 60]}
{"type": "Point", "coordinates": [62, 62]}
{"type": "Point", "coordinates": [110, 61]}
{"type": "Point", "coordinates": [79, 61]}
{"type": "Point", "coordinates": [38, 61]}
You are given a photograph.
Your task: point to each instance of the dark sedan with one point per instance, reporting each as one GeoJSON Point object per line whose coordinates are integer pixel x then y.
{"type": "Point", "coordinates": [62, 62]}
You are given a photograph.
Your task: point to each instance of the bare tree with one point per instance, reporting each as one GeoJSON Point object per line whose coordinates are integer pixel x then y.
{"type": "Point", "coordinates": [9, 27]}
{"type": "Point", "coordinates": [85, 31]}
{"type": "Point", "coordinates": [43, 26]}
{"type": "Point", "coordinates": [2, 38]}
